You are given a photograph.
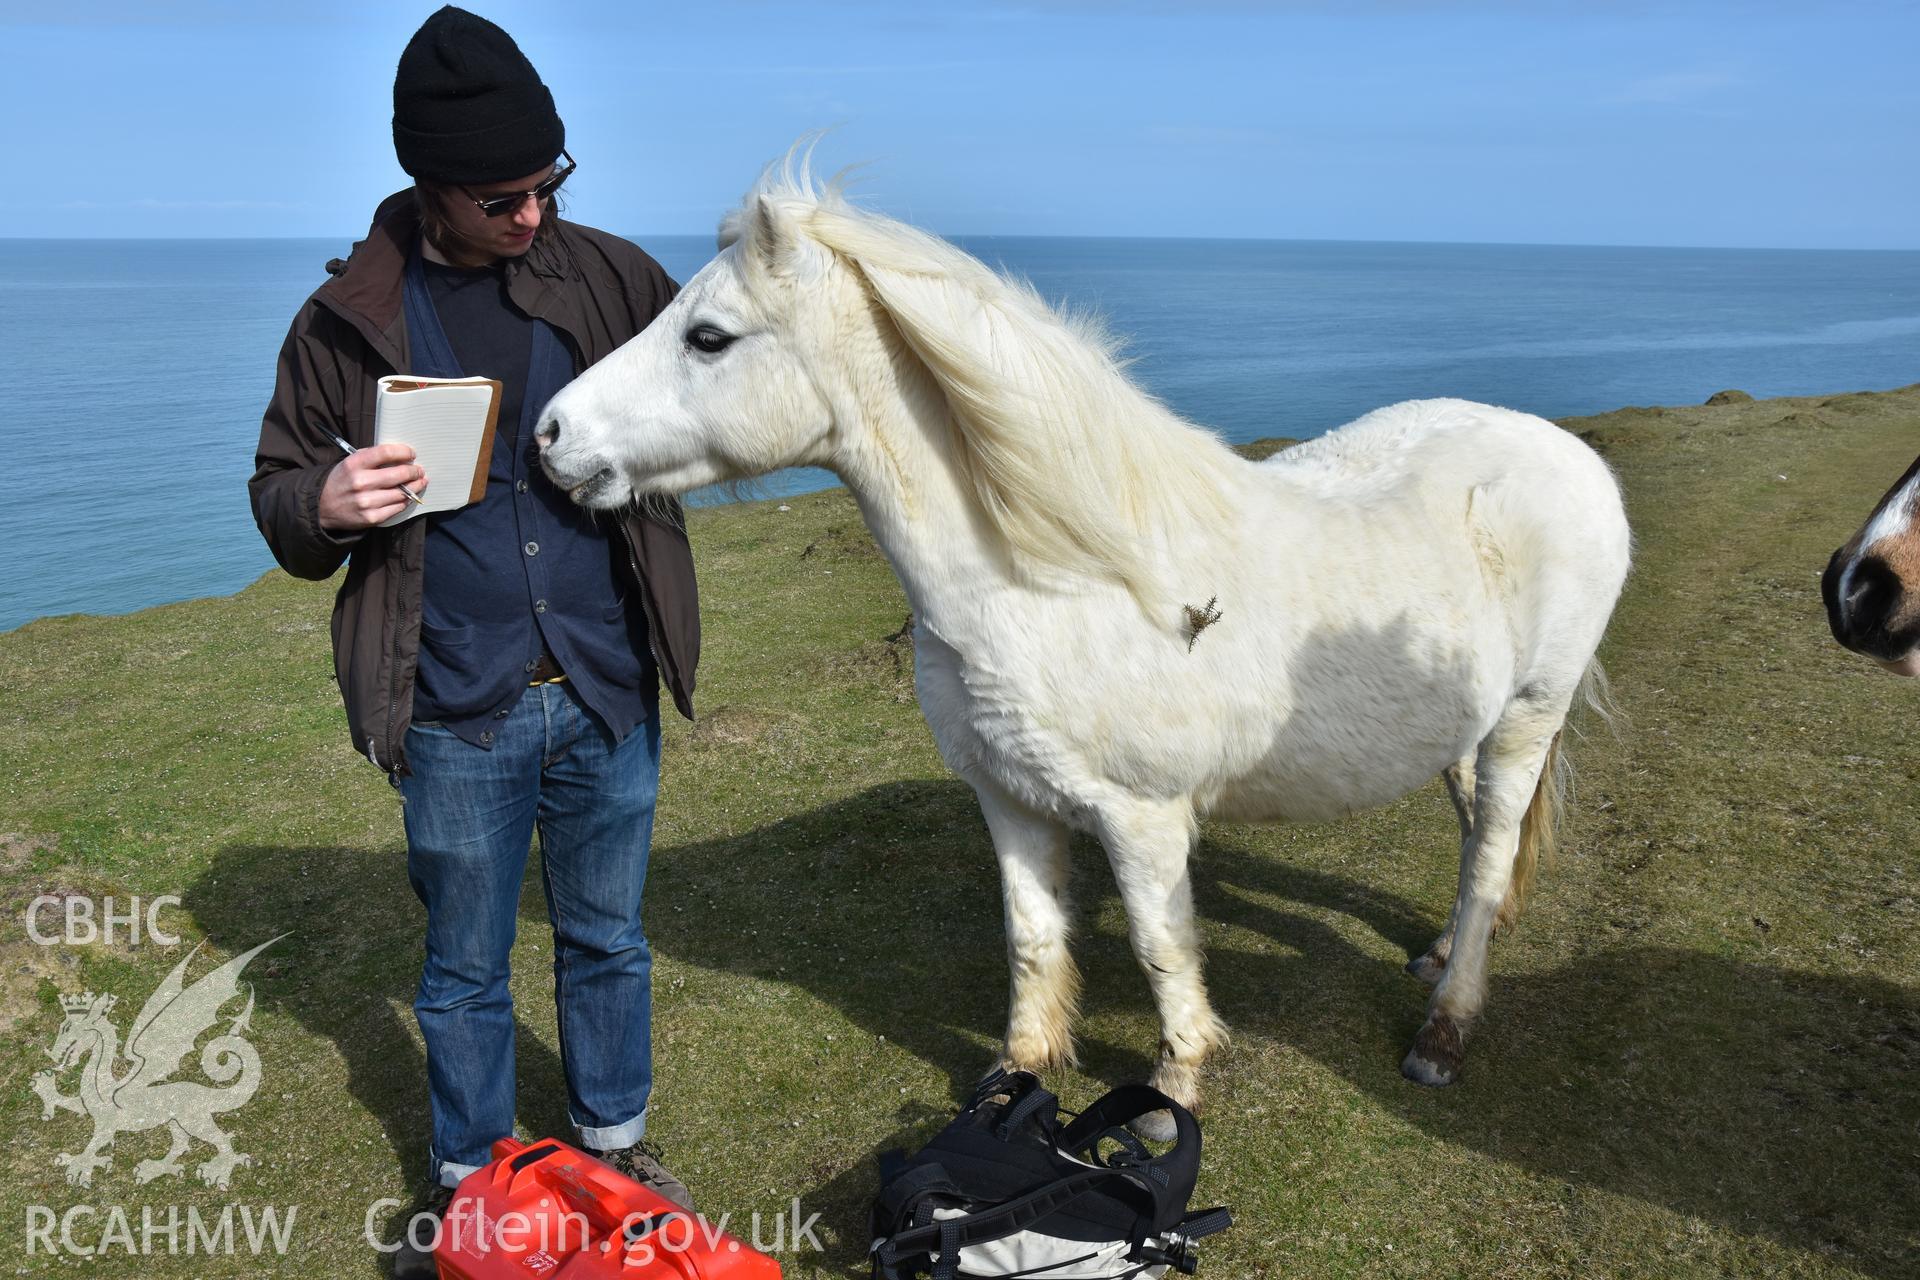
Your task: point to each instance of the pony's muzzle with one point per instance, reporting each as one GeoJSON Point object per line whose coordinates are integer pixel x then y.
{"type": "Point", "coordinates": [1869, 609]}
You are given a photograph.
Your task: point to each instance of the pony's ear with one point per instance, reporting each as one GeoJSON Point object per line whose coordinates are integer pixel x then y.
{"type": "Point", "coordinates": [775, 239]}
{"type": "Point", "coordinates": [769, 233]}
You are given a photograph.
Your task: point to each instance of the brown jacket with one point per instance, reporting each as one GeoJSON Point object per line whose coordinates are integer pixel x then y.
{"type": "Point", "coordinates": [597, 290]}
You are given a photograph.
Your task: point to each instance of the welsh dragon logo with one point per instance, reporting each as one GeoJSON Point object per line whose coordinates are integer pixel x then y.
{"type": "Point", "coordinates": [137, 1095]}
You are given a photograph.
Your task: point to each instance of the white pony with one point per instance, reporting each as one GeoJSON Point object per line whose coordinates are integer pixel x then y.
{"type": "Point", "coordinates": [1122, 626]}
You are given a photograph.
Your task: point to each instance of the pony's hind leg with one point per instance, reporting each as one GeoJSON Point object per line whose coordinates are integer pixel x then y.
{"type": "Point", "coordinates": [1147, 844]}
{"type": "Point", "coordinates": [1512, 816]}
{"type": "Point", "coordinates": [1032, 851]}
{"type": "Point", "coordinates": [1431, 966]}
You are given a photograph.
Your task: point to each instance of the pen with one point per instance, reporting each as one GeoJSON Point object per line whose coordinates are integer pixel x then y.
{"type": "Point", "coordinates": [350, 449]}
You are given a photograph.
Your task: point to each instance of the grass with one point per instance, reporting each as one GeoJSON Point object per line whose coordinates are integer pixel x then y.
{"type": "Point", "coordinates": [1702, 1051]}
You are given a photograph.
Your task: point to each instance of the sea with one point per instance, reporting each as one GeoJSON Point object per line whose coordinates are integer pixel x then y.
{"type": "Point", "coordinates": [135, 371]}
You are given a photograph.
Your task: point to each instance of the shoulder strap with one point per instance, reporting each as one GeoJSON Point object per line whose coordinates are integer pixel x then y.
{"type": "Point", "coordinates": [1129, 1102]}
{"type": "Point", "coordinates": [901, 1192]}
{"type": "Point", "coordinates": [1205, 1222]}
{"type": "Point", "coordinates": [1170, 1175]}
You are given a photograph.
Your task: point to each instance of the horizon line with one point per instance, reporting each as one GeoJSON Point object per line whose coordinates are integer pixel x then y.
{"type": "Point", "coordinates": [640, 240]}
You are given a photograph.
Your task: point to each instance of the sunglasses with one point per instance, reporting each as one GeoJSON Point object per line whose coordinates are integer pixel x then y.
{"type": "Point", "coordinates": [500, 206]}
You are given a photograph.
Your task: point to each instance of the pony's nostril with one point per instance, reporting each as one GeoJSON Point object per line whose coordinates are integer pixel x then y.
{"type": "Point", "coordinates": [1870, 595]}
{"type": "Point", "coordinates": [548, 432]}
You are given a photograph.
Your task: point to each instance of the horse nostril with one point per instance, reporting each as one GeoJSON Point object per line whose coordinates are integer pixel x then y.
{"type": "Point", "coordinates": [548, 432]}
{"type": "Point", "coordinates": [1869, 597]}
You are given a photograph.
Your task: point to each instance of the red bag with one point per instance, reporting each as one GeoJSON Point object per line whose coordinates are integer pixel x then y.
{"type": "Point", "coordinates": [549, 1210]}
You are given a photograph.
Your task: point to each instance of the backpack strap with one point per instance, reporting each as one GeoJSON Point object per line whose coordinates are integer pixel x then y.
{"type": "Point", "coordinates": [1129, 1102]}
{"type": "Point", "coordinates": [901, 1194]}
{"type": "Point", "coordinates": [1169, 1176]}
{"type": "Point", "coordinates": [1015, 1084]}
{"type": "Point", "coordinates": [949, 1264]}
{"type": "Point", "coordinates": [1136, 1150]}
{"type": "Point", "coordinates": [1175, 1248]}
{"type": "Point", "coordinates": [1204, 1222]}
{"type": "Point", "coordinates": [995, 1081]}
{"type": "Point", "coordinates": [1031, 1101]}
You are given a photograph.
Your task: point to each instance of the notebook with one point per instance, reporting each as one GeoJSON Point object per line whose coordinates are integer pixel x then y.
{"type": "Point", "coordinates": [449, 422]}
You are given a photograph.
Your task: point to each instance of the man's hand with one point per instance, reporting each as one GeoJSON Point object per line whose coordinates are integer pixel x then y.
{"type": "Point", "coordinates": [364, 488]}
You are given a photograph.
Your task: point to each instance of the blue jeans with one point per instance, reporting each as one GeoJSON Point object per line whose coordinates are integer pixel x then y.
{"type": "Point", "coordinates": [470, 817]}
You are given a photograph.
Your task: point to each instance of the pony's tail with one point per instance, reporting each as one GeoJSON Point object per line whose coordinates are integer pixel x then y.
{"type": "Point", "coordinates": [1540, 825]}
{"type": "Point", "coordinates": [1539, 834]}
{"type": "Point", "coordinates": [1596, 695]}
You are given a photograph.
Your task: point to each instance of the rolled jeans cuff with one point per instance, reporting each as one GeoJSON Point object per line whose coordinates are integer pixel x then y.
{"type": "Point", "coordinates": [614, 1137]}
{"type": "Point", "coordinates": [452, 1175]}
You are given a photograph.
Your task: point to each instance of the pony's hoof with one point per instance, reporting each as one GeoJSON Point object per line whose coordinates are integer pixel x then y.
{"type": "Point", "coordinates": [1038, 1054]}
{"type": "Point", "coordinates": [1436, 1055]}
{"type": "Point", "coordinates": [1428, 968]}
{"type": "Point", "coordinates": [1154, 1126]}
{"type": "Point", "coordinates": [997, 1068]}
{"type": "Point", "coordinates": [1431, 1074]}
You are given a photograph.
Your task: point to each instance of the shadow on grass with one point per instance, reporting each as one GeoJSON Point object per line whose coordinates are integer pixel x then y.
{"type": "Point", "coordinates": [1761, 1099]}
{"type": "Point", "coordinates": [350, 964]}
{"type": "Point", "coordinates": [1774, 1103]}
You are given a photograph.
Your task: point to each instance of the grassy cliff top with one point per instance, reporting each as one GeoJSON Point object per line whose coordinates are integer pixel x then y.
{"type": "Point", "coordinates": [1702, 1050]}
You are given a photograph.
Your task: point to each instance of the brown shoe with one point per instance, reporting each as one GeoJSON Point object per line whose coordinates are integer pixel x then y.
{"type": "Point", "coordinates": [421, 1226]}
{"type": "Point", "coordinates": [641, 1162]}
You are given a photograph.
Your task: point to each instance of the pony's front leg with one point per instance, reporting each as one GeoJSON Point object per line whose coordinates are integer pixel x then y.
{"type": "Point", "coordinates": [1506, 812]}
{"type": "Point", "coordinates": [1032, 851]}
{"type": "Point", "coordinates": [1147, 844]}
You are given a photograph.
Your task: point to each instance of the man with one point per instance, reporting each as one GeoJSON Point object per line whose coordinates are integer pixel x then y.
{"type": "Point", "coordinates": [501, 662]}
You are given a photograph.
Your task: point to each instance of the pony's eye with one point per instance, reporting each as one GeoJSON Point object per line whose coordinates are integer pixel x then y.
{"type": "Point", "coordinates": [704, 337]}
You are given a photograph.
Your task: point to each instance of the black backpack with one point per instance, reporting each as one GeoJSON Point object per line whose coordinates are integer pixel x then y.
{"type": "Point", "coordinates": [1008, 1190]}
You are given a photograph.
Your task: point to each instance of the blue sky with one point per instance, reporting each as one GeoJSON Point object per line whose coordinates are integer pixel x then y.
{"type": "Point", "coordinates": [1755, 124]}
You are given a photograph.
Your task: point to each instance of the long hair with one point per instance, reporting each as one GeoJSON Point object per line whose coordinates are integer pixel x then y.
{"type": "Point", "coordinates": [435, 200]}
{"type": "Point", "coordinates": [1072, 464]}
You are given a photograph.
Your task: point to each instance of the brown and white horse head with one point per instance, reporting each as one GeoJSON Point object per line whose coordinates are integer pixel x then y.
{"type": "Point", "coordinates": [1872, 585]}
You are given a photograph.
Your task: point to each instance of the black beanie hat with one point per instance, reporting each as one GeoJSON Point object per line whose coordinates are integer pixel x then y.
{"type": "Point", "coordinates": [469, 107]}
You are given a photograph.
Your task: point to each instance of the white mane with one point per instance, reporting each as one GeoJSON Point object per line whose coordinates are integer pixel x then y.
{"type": "Point", "coordinates": [1072, 464]}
